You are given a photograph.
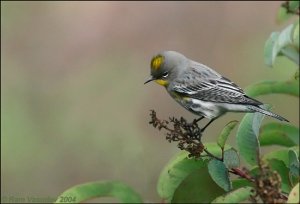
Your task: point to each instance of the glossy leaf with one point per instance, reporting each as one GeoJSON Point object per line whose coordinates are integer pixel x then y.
{"type": "Point", "coordinates": [293, 163]}
{"type": "Point", "coordinates": [237, 196]}
{"type": "Point", "coordinates": [175, 172]}
{"type": "Point", "coordinates": [92, 190]}
{"type": "Point", "coordinates": [282, 40]}
{"type": "Point", "coordinates": [273, 87]}
{"type": "Point", "coordinates": [281, 154]}
{"type": "Point", "coordinates": [269, 54]}
{"type": "Point", "coordinates": [240, 182]}
{"type": "Point", "coordinates": [247, 137]}
{"type": "Point", "coordinates": [283, 12]}
{"type": "Point", "coordinates": [279, 134]}
{"type": "Point", "coordinates": [197, 187]}
{"type": "Point", "coordinates": [178, 168]}
{"type": "Point", "coordinates": [296, 35]}
{"type": "Point", "coordinates": [219, 173]}
{"type": "Point", "coordinates": [283, 15]}
{"type": "Point", "coordinates": [291, 53]}
{"type": "Point", "coordinates": [231, 158]}
{"type": "Point", "coordinates": [294, 195]}
{"type": "Point", "coordinates": [283, 171]}
{"type": "Point", "coordinates": [225, 133]}
{"type": "Point", "coordinates": [293, 5]}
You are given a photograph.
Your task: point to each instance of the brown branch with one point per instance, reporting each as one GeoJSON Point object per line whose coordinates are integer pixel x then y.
{"type": "Point", "coordinates": [242, 174]}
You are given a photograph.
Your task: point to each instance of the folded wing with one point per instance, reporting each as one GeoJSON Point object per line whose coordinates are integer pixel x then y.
{"type": "Point", "coordinates": [203, 83]}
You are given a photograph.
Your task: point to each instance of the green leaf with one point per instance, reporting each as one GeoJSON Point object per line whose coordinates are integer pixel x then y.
{"type": "Point", "coordinates": [291, 53]}
{"type": "Point", "coordinates": [178, 168]}
{"type": "Point", "coordinates": [240, 182]}
{"type": "Point", "coordinates": [294, 195]}
{"type": "Point", "coordinates": [282, 15]}
{"type": "Point", "coordinates": [225, 133]}
{"type": "Point", "coordinates": [279, 161]}
{"type": "Point", "coordinates": [283, 171]}
{"type": "Point", "coordinates": [279, 134]}
{"type": "Point", "coordinates": [273, 87]}
{"type": "Point", "coordinates": [236, 196]}
{"type": "Point", "coordinates": [280, 40]}
{"type": "Point", "coordinates": [247, 137]}
{"type": "Point", "coordinates": [197, 187]}
{"type": "Point", "coordinates": [83, 192]}
{"type": "Point", "coordinates": [175, 172]}
{"type": "Point", "coordinates": [295, 34]}
{"type": "Point", "coordinates": [293, 163]}
{"type": "Point", "coordinates": [281, 154]}
{"type": "Point", "coordinates": [231, 158]}
{"type": "Point", "coordinates": [219, 173]}
{"type": "Point", "coordinates": [269, 54]}
{"type": "Point", "coordinates": [293, 5]}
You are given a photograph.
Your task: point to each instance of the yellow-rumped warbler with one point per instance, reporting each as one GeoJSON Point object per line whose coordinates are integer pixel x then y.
{"type": "Point", "coordinates": [200, 89]}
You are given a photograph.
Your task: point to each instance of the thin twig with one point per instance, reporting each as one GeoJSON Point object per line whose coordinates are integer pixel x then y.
{"type": "Point", "coordinates": [211, 155]}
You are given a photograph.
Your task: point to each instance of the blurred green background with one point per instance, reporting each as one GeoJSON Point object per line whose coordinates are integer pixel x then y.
{"type": "Point", "coordinates": [74, 107]}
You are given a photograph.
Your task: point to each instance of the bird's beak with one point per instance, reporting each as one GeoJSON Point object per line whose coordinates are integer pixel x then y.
{"type": "Point", "coordinates": [149, 80]}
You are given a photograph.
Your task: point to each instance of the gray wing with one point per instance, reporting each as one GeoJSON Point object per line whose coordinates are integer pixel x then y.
{"type": "Point", "coordinates": [203, 83]}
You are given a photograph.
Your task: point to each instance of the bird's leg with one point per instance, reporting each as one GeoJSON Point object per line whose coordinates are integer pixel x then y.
{"type": "Point", "coordinates": [212, 120]}
{"type": "Point", "coordinates": [197, 120]}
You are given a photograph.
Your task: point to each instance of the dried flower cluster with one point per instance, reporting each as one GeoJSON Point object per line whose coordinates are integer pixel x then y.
{"type": "Point", "coordinates": [267, 186]}
{"type": "Point", "coordinates": [188, 135]}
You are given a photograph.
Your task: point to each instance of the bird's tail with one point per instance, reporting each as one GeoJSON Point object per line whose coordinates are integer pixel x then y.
{"type": "Point", "coordinates": [266, 112]}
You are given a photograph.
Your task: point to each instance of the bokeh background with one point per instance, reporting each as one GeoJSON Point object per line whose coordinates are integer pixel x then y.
{"type": "Point", "coordinates": [74, 108]}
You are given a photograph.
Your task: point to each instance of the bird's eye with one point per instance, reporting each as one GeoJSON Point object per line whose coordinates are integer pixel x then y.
{"type": "Point", "coordinates": [165, 75]}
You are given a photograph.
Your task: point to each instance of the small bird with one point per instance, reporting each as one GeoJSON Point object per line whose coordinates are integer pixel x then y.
{"type": "Point", "coordinates": [200, 89]}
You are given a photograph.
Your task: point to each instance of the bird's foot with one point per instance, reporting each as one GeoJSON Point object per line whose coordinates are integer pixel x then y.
{"type": "Point", "coordinates": [198, 119]}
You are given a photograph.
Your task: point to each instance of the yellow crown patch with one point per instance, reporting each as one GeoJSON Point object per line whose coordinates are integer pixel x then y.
{"type": "Point", "coordinates": [156, 62]}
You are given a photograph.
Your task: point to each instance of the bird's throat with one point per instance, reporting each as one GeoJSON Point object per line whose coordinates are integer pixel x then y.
{"type": "Point", "coordinates": [162, 82]}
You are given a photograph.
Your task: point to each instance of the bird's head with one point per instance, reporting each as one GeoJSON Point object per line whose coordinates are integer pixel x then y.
{"type": "Point", "coordinates": [166, 66]}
